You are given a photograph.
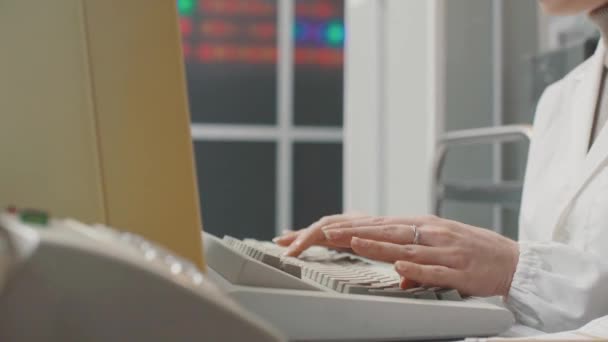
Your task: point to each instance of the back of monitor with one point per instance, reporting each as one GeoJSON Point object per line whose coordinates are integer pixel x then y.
{"type": "Point", "coordinates": [94, 121]}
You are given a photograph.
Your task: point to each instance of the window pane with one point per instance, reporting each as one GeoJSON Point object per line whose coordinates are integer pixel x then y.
{"type": "Point", "coordinates": [230, 54]}
{"type": "Point", "coordinates": [468, 58]}
{"type": "Point", "coordinates": [318, 57]}
{"type": "Point", "coordinates": [317, 188]}
{"type": "Point", "coordinates": [237, 188]}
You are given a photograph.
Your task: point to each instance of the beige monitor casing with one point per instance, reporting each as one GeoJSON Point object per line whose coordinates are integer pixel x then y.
{"type": "Point", "coordinates": [94, 122]}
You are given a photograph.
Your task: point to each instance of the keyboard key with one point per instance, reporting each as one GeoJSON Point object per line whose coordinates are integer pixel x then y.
{"type": "Point", "coordinates": [327, 279]}
{"type": "Point", "coordinates": [365, 289]}
{"type": "Point", "coordinates": [291, 268]}
{"type": "Point", "coordinates": [425, 294]}
{"type": "Point", "coordinates": [419, 293]}
{"type": "Point", "coordinates": [357, 289]}
{"type": "Point", "coordinates": [335, 282]}
{"type": "Point", "coordinates": [271, 260]}
{"type": "Point", "coordinates": [448, 294]}
{"type": "Point", "coordinates": [393, 292]}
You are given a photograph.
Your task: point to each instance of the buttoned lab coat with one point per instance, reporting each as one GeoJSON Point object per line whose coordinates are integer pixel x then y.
{"type": "Point", "coordinates": [561, 281]}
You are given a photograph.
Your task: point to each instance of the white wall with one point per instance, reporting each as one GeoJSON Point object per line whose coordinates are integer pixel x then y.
{"type": "Point", "coordinates": [393, 65]}
{"type": "Point", "coordinates": [363, 113]}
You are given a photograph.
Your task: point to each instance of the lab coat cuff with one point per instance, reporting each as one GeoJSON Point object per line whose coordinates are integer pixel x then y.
{"type": "Point", "coordinates": [523, 284]}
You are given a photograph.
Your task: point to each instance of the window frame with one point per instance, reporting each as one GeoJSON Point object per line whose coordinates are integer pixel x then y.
{"type": "Point", "coordinates": [284, 133]}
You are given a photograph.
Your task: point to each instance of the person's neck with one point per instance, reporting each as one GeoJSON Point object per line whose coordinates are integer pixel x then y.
{"type": "Point", "coordinates": [600, 17]}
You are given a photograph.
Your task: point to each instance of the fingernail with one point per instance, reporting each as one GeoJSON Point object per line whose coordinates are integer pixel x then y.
{"type": "Point", "coordinates": [333, 235]}
{"type": "Point", "coordinates": [292, 249]}
{"type": "Point", "coordinates": [360, 242]}
{"type": "Point", "coordinates": [276, 239]}
{"type": "Point", "coordinates": [401, 266]}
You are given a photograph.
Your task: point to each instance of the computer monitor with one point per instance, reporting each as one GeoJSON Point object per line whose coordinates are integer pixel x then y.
{"type": "Point", "coordinates": [94, 122]}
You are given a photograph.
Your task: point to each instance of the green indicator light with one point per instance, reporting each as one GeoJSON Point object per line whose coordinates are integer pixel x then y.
{"type": "Point", "coordinates": [186, 7]}
{"type": "Point", "coordinates": [335, 33]}
{"type": "Point", "coordinates": [34, 217]}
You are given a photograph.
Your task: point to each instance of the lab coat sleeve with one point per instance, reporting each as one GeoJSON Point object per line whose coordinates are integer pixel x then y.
{"type": "Point", "coordinates": [557, 287]}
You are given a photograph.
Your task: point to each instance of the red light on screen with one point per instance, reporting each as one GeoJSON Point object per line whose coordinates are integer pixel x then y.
{"type": "Point", "coordinates": [231, 53]}
{"type": "Point", "coordinates": [237, 7]}
{"type": "Point", "coordinates": [324, 10]}
{"type": "Point", "coordinates": [220, 53]}
{"type": "Point", "coordinates": [185, 25]}
{"type": "Point", "coordinates": [231, 7]}
{"type": "Point", "coordinates": [319, 57]}
{"type": "Point", "coordinates": [218, 6]}
{"type": "Point", "coordinates": [256, 8]}
{"type": "Point", "coordinates": [329, 57]}
{"type": "Point", "coordinates": [206, 6]}
{"type": "Point", "coordinates": [304, 55]}
{"type": "Point", "coordinates": [263, 30]}
{"type": "Point", "coordinates": [244, 53]}
{"type": "Point", "coordinates": [319, 9]}
{"type": "Point", "coordinates": [268, 8]}
{"type": "Point", "coordinates": [256, 56]}
{"type": "Point", "coordinates": [218, 28]}
{"type": "Point", "coordinates": [260, 54]}
{"type": "Point", "coordinates": [270, 54]}
{"type": "Point", "coordinates": [205, 53]}
{"type": "Point", "coordinates": [302, 10]}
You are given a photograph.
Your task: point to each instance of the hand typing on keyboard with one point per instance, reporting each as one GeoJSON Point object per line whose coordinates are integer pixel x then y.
{"type": "Point", "coordinates": [449, 254]}
{"type": "Point", "coordinates": [336, 271]}
{"type": "Point", "coordinates": [299, 241]}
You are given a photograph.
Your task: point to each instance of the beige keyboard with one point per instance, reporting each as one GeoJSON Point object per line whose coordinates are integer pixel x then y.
{"type": "Point", "coordinates": [329, 295]}
{"type": "Point", "coordinates": [336, 271]}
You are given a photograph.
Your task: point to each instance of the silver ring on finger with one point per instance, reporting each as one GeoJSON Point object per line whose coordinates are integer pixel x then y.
{"type": "Point", "coordinates": [416, 240]}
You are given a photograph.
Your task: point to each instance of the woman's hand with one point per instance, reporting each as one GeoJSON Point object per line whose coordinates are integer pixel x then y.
{"type": "Point", "coordinates": [449, 254]}
{"type": "Point", "coordinates": [300, 240]}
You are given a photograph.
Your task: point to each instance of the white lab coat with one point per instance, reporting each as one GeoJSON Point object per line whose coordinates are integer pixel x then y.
{"type": "Point", "coordinates": [561, 281]}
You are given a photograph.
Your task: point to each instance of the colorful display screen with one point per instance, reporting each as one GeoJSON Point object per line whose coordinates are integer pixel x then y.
{"type": "Point", "coordinates": [230, 49]}
{"type": "Point", "coordinates": [318, 75]}
{"type": "Point", "coordinates": [244, 31]}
